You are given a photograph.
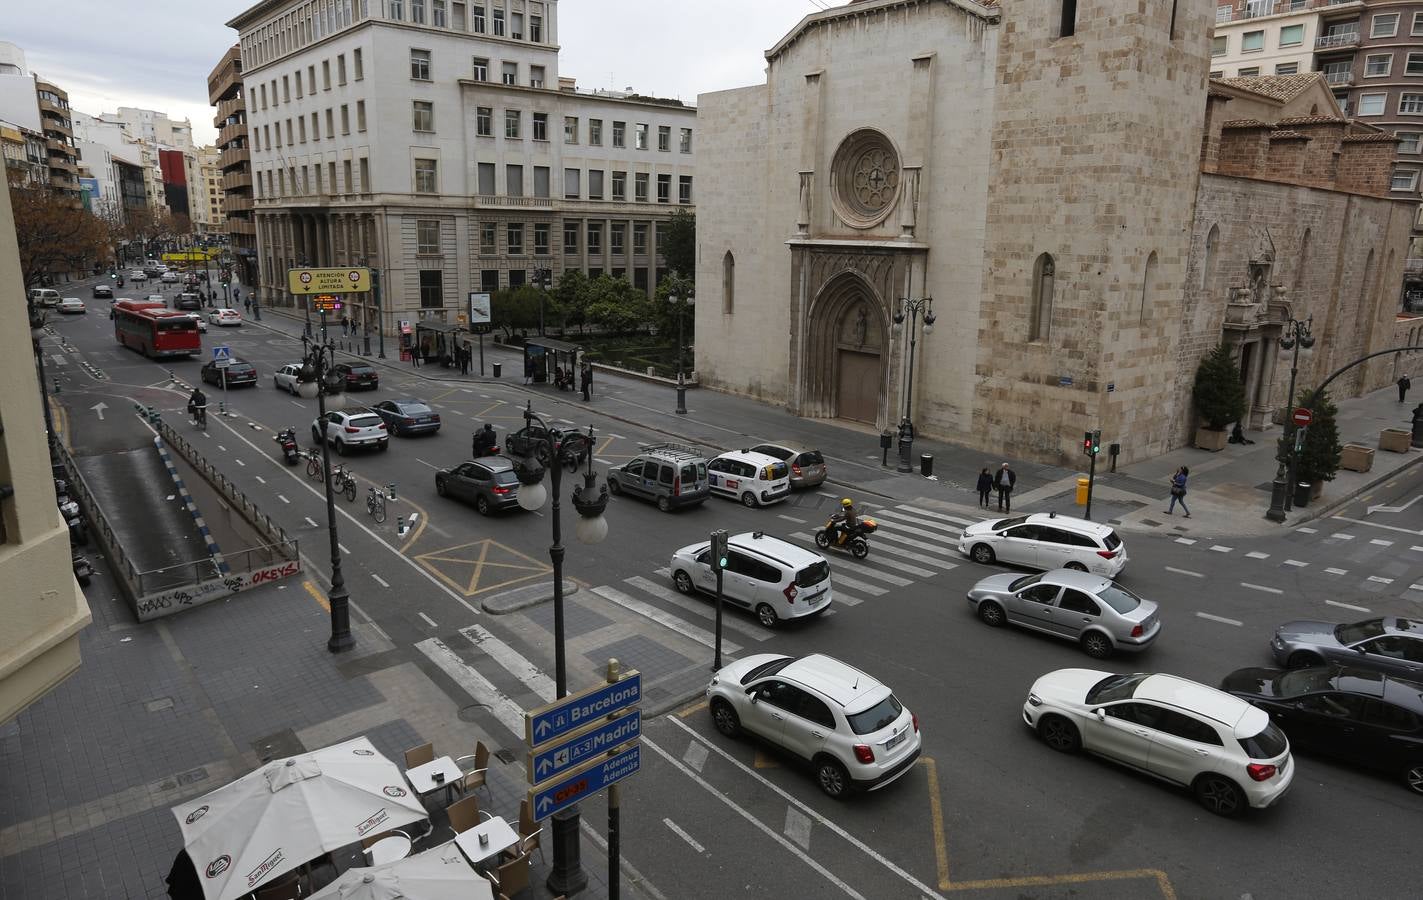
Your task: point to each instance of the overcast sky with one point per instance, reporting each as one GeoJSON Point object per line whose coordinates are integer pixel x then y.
{"type": "Point", "coordinates": [156, 54]}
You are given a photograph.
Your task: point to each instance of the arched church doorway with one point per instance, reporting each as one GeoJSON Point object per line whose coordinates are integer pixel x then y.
{"type": "Point", "coordinates": [858, 364]}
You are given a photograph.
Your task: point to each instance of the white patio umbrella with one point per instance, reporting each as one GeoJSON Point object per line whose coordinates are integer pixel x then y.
{"type": "Point", "coordinates": [441, 873]}
{"type": "Point", "coordinates": [290, 811]}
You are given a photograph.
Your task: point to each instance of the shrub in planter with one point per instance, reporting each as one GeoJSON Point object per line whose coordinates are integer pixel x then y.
{"type": "Point", "coordinates": [1319, 459]}
{"type": "Point", "coordinates": [1219, 396]}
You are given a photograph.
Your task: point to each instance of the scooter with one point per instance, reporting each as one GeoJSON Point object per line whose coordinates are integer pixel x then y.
{"type": "Point", "coordinates": [857, 541]}
{"type": "Point", "coordinates": [82, 570]}
{"type": "Point", "coordinates": [290, 451]}
{"type": "Point", "coordinates": [492, 449]}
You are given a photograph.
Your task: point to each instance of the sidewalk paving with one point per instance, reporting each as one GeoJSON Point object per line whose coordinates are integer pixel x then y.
{"type": "Point", "coordinates": [1229, 490]}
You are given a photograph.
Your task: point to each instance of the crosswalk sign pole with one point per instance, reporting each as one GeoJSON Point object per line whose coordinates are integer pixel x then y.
{"type": "Point", "coordinates": [718, 554]}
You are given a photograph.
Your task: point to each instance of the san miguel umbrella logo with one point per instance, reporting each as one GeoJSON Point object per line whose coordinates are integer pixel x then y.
{"type": "Point", "coordinates": [393, 791]}
{"type": "Point", "coordinates": [363, 752]}
{"type": "Point", "coordinates": [218, 866]}
{"type": "Point", "coordinates": [196, 814]}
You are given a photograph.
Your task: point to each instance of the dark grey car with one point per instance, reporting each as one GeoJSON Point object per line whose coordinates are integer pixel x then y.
{"type": "Point", "coordinates": [1100, 615]}
{"type": "Point", "coordinates": [490, 484]}
{"type": "Point", "coordinates": [807, 467]}
{"type": "Point", "coordinates": [1392, 645]}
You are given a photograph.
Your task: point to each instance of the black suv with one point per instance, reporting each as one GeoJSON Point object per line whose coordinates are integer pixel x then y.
{"type": "Point", "coordinates": [238, 373]}
{"type": "Point", "coordinates": [103, 292]}
{"type": "Point", "coordinates": [533, 438]}
{"type": "Point", "coordinates": [188, 301]}
{"type": "Point", "coordinates": [357, 376]}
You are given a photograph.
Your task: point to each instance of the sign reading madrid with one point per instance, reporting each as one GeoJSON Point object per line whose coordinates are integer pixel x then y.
{"type": "Point", "coordinates": [577, 710]}
{"type": "Point", "coordinates": [554, 758]}
{"type": "Point", "coordinates": [351, 280]}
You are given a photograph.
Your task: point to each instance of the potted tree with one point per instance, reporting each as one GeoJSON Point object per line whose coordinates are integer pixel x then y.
{"type": "Point", "coordinates": [1319, 458]}
{"type": "Point", "coordinates": [1219, 396]}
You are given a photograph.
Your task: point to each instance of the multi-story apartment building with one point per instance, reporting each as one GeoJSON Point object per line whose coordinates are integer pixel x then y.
{"type": "Point", "coordinates": [33, 106]}
{"type": "Point", "coordinates": [209, 186]}
{"type": "Point", "coordinates": [25, 154]}
{"type": "Point", "coordinates": [225, 91]}
{"type": "Point", "coordinates": [40, 603]}
{"type": "Point", "coordinates": [1265, 37]}
{"type": "Point", "coordinates": [437, 142]}
{"type": "Point", "coordinates": [59, 139]}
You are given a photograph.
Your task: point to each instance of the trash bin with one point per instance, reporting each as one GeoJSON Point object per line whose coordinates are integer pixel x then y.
{"type": "Point", "coordinates": [1302, 492]}
{"type": "Point", "coordinates": [926, 464]}
{"type": "Point", "coordinates": [1082, 491]}
{"type": "Point", "coordinates": [498, 367]}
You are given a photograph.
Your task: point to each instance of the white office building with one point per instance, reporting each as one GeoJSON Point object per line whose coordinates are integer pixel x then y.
{"type": "Point", "coordinates": [437, 142]}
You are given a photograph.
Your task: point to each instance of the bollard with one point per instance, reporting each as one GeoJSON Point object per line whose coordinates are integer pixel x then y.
{"type": "Point", "coordinates": [926, 464]}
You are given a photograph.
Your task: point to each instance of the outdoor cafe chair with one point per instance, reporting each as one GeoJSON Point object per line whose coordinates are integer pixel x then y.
{"type": "Point", "coordinates": [511, 877]}
{"type": "Point", "coordinates": [530, 833]}
{"type": "Point", "coordinates": [418, 756]}
{"type": "Point", "coordinates": [464, 814]}
{"type": "Point", "coordinates": [476, 777]}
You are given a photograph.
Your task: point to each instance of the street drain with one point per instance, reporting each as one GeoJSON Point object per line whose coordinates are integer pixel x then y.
{"type": "Point", "coordinates": [471, 713]}
{"type": "Point", "coordinates": [161, 703]}
{"type": "Point", "coordinates": [505, 755]}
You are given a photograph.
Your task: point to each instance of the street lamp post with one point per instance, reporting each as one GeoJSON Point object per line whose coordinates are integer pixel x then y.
{"type": "Point", "coordinates": [590, 500]}
{"type": "Point", "coordinates": [317, 378]}
{"type": "Point", "coordinates": [681, 303]}
{"type": "Point", "coordinates": [1296, 336]}
{"type": "Point", "coordinates": [544, 279]}
{"type": "Point", "coordinates": [910, 309]}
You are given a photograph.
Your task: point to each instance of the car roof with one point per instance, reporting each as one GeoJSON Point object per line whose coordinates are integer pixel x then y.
{"type": "Point", "coordinates": [1183, 693]}
{"type": "Point", "coordinates": [1082, 581]}
{"type": "Point", "coordinates": [839, 681]}
{"type": "Point", "coordinates": [774, 548]}
{"type": "Point", "coordinates": [494, 463]}
{"type": "Point", "coordinates": [1407, 627]}
{"type": "Point", "coordinates": [759, 459]}
{"type": "Point", "coordinates": [1071, 523]}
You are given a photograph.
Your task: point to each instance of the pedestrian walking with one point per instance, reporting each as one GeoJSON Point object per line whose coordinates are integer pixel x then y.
{"type": "Point", "coordinates": [247, 304]}
{"type": "Point", "coordinates": [1178, 491]}
{"type": "Point", "coordinates": [1403, 385]}
{"type": "Point", "coordinates": [1005, 481]}
{"type": "Point", "coordinates": [585, 380]}
{"type": "Point", "coordinates": [528, 370]}
{"type": "Point", "coordinates": [464, 360]}
{"type": "Point", "coordinates": [985, 487]}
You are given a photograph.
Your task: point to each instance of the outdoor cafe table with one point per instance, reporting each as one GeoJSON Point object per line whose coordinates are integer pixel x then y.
{"type": "Point", "coordinates": [422, 777]}
{"type": "Point", "coordinates": [501, 838]}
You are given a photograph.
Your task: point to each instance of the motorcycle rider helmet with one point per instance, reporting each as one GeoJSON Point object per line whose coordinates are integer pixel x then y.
{"type": "Point", "coordinates": [846, 503]}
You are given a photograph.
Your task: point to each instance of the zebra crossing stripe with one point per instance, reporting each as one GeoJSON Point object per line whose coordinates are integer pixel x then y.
{"type": "Point", "coordinates": [698, 608]}
{"type": "Point", "coordinates": [514, 662]}
{"type": "Point", "coordinates": [506, 711]}
{"type": "Point", "coordinates": [921, 545]}
{"type": "Point", "coordinates": [934, 515]}
{"type": "Point", "coordinates": [858, 585]}
{"type": "Point", "coordinates": [670, 622]}
{"type": "Point", "coordinates": [897, 526]}
{"type": "Point", "coordinates": [867, 571]}
{"type": "Point", "coordinates": [917, 557]}
{"type": "Point", "coordinates": [845, 599]}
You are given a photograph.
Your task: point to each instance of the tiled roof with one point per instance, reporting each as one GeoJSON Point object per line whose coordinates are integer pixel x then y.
{"type": "Point", "coordinates": [1377, 137]}
{"type": "Point", "coordinates": [1288, 136]}
{"type": "Point", "coordinates": [1276, 87]}
{"type": "Point", "coordinates": [1245, 123]}
{"type": "Point", "coordinates": [1311, 120]}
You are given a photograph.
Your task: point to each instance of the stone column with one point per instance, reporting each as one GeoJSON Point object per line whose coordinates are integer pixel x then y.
{"type": "Point", "coordinates": [807, 186]}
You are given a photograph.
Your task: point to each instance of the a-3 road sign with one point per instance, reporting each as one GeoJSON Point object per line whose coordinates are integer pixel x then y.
{"type": "Point", "coordinates": [557, 757]}
{"type": "Point", "coordinates": [584, 781]}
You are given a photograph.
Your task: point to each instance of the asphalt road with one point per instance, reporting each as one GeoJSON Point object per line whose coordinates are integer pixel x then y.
{"type": "Point", "coordinates": [989, 811]}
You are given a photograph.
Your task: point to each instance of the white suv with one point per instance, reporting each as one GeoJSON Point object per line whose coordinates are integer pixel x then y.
{"type": "Point", "coordinates": [356, 428]}
{"type": "Point", "coordinates": [851, 728]}
{"type": "Point", "coordinates": [753, 478]}
{"type": "Point", "coordinates": [766, 575]}
{"type": "Point", "coordinates": [1046, 541]}
{"type": "Point", "coordinates": [1222, 748]}
{"type": "Point", "coordinates": [288, 378]}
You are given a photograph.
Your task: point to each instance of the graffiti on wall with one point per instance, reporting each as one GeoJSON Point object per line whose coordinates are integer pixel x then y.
{"type": "Point", "coordinates": [153, 606]}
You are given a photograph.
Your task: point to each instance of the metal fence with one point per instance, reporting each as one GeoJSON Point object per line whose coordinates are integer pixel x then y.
{"type": "Point", "coordinates": [273, 532]}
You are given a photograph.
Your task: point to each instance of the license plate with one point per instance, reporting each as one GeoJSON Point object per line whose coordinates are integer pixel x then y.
{"type": "Point", "coordinates": [817, 599]}
{"type": "Point", "coordinates": [896, 740]}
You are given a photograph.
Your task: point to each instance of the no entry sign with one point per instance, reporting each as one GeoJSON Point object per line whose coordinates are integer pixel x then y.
{"type": "Point", "coordinates": [1302, 416]}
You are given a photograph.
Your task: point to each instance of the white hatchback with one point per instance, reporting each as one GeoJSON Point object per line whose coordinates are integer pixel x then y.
{"type": "Point", "coordinates": [851, 728]}
{"type": "Point", "coordinates": [1046, 541]}
{"type": "Point", "coordinates": [225, 317]}
{"type": "Point", "coordinates": [1224, 750]}
{"type": "Point", "coordinates": [288, 378]}
{"type": "Point", "coordinates": [753, 478]}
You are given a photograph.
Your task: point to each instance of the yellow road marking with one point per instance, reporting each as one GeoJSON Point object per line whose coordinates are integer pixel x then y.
{"type": "Point", "coordinates": [763, 761]}
{"type": "Point", "coordinates": [936, 811]}
{"type": "Point", "coordinates": [683, 713]}
{"type": "Point", "coordinates": [315, 592]}
{"type": "Point", "coordinates": [478, 558]}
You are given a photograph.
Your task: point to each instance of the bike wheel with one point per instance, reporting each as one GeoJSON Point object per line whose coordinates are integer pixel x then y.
{"type": "Point", "coordinates": [313, 467]}
{"type": "Point", "coordinates": [350, 490]}
{"type": "Point", "coordinates": [378, 508]}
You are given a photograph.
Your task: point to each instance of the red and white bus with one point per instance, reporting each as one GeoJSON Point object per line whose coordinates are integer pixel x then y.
{"type": "Point", "coordinates": [154, 330]}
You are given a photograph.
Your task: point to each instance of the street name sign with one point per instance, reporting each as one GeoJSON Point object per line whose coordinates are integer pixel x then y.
{"type": "Point", "coordinates": [585, 781]}
{"type": "Point", "coordinates": [350, 280]}
{"type": "Point", "coordinates": [1302, 416]}
{"type": "Point", "coordinates": [577, 710]}
{"type": "Point", "coordinates": [555, 758]}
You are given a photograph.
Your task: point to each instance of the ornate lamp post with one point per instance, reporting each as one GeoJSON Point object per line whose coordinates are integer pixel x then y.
{"type": "Point", "coordinates": [911, 309]}
{"type": "Point", "coordinates": [544, 279]}
{"type": "Point", "coordinates": [319, 381]}
{"type": "Point", "coordinates": [590, 499]}
{"type": "Point", "coordinates": [681, 303]}
{"type": "Point", "coordinates": [1296, 336]}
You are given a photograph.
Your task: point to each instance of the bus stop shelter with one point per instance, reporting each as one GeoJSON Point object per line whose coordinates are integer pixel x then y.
{"type": "Point", "coordinates": [436, 341]}
{"type": "Point", "coordinates": [550, 359]}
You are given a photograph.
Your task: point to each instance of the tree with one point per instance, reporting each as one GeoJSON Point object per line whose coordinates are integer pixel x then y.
{"type": "Point", "coordinates": [54, 235]}
{"type": "Point", "coordinates": [616, 305]}
{"type": "Point", "coordinates": [572, 294]}
{"type": "Point", "coordinates": [515, 308]}
{"type": "Point", "coordinates": [679, 247]}
{"type": "Point", "coordinates": [1219, 392]}
{"type": "Point", "coordinates": [667, 314]}
{"type": "Point", "coordinates": [1319, 458]}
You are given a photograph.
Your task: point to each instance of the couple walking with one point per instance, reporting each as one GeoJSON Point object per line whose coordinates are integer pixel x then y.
{"type": "Point", "coordinates": [1003, 482]}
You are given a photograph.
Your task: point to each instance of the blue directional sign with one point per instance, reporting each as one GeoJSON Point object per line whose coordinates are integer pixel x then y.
{"type": "Point", "coordinates": [557, 757]}
{"type": "Point", "coordinates": [584, 782]}
{"type": "Point", "coordinates": [579, 710]}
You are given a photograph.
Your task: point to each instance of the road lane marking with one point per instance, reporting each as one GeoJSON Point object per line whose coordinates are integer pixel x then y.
{"type": "Point", "coordinates": [282, 497]}
{"type": "Point", "coordinates": [647, 610]}
{"type": "Point", "coordinates": [1184, 572]}
{"type": "Point", "coordinates": [1221, 619]}
{"type": "Point", "coordinates": [239, 462]}
{"type": "Point", "coordinates": [752, 630]}
{"type": "Point", "coordinates": [936, 813]}
{"type": "Point", "coordinates": [860, 586]}
{"type": "Point", "coordinates": [222, 448]}
{"type": "Point", "coordinates": [766, 829]}
{"type": "Point", "coordinates": [423, 463]}
{"type": "Point", "coordinates": [1379, 579]}
{"type": "Point", "coordinates": [1294, 562]}
{"type": "Point", "coordinates": [932, 549]}
{"type": "Point", "coordinates": [846, 599]}
{"type": "Point", "coordinates": [696, 755]}
{"type": "Point", "coordinates": [797, 827]}
{"type": "Point", "coordinates": [506, 711]}
{"type": "Point", "coordinates": [1220, 549]}
{"type": "Point", "coordinates": [512, 661]}
{"type": "Point", "coordinates": [1341, 536]}
{"type": "Point", "coordinates": [1381, 542]}
{"type": "Point", "coordinates": [297, 403]}
{"type": "Point", "coordinates": [343, 549]}
{"type": "Point", "coordinates": [315, 592]}
{"type": "Point", "coordinates": [1419, 549]}
{"type": "Point", "coordinates": [791, 519]}
{"type": "Point", "coordinates": [310, 521]}
{"type": "Point", "coordinates": [380, 581]}
{"type": "Point", "coordinates": [260, 479]}
{"type": "Point", "coordinates": [1256, 554]}
{"type": "Point", "coordinates": [1415, 587]}
{"type": "Point", "coordinates": [1337, 571]}
{"type": "Point", "coordinates": [1377, 525]}
{"type": "Point", "coordinates": [691, 841]}
{"type": "Point", "coordinates": [917, 557]}
{"type": "Point", "coordinates": [1261, 587]}
{"type": "Point", "coordinates": [957, 520]}
{"type": "Point", "coordinates": [1187, 541]}
{"type": "Point", "coordinates": [1307, 530]}
{"type": "Point", "coordinates": [1341, 605]}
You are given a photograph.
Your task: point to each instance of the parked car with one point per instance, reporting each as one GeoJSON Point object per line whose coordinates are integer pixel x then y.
{"type": "Point", "coordinates": [169, 278]}
{"type": "Point", "coordinates": [239, 372]}
{"type": "Point", "coordinates": [1046, 541]}
{"type": "Point", "coordinates": [670, 475]}
{"type": "Point", "coordinates": [224, 317]}
{"type": "Point", "coordinates": [1364, 718]}
{"type": "Point", "coordinates": [1100, 615]}
{"type": "Point", "coordinates": [151, 271]}
{"type": "Point", "coordinates": [102, 292]}
{"type": "Point", "coordinates": [191, 279]}
{"type": "Point", "coordinates": [1224, 750]}
{"type": "Point", "coordinates": [1390, 644]}
{"type": "Point", "coordinates": [287, 378]}
{"type": "Point", "coordinates": [358, 376]}
{"type": "Point", "coordinates": [851, 728]}
{"type": "Point", "coordinates": [71, 305]}
{"type": "Point", "coordinates": [44, 297]}
{"type": "Point", "coordinates": [755, 479]}
{"type": "Point", "coordinates": [188, 301]}
{"type": "Point", "coordinates": [351, 428]}
{"type": "Point", "coordinates": [489, 483]}
{"type": "Point", "coordinates": [574, 446]}
{"type": "Point", "coordinates": [408, 416]}
{"type": "Point", "coordinates": [765, 575]}
{"type": "Point", "coordinates": [808, 467]}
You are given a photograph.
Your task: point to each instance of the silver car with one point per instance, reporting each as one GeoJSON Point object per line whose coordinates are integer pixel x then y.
{"type": "Point", "coordinates": [1100, 615]}
{"type": "Point", "coordinates": [1391, 645]}
{"type": "Point", "coordinates": [808, 467]}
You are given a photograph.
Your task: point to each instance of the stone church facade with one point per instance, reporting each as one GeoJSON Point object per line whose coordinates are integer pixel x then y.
{"type": "Point", "coordinates": [1033, 166]}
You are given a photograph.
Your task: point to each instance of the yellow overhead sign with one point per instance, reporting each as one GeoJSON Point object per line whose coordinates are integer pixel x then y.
{"type": "Point", "coordinates": [353, 280]}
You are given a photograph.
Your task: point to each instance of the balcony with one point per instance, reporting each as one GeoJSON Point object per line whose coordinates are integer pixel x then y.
{"type": "Point", "coordinates": [227, 76]}
{"type": "Point", "coordinates": [1340, 79]}
{"type": "Point", "coordinates": [240, 226]}
{"type": "Point", "coordinates": [1339, 40]}
{"type": "Point", "coordinates": [229, 107]}
{"type": "Point", "coordinates": [233, 156]}
{"type": "Point", "coordinates": [236, 180]}
{"type": "Point", "coordinates": [226, 134]}
{"type": "Point", "coordinates": [1254, 9]}
{"type": "Point", "coordinates": [236, 203]}
{"type": "Point", "coordinates": [59, 162]}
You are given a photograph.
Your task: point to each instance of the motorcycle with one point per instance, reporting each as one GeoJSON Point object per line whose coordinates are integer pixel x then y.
{"type": "Point", "coordinates": [121, 282]}
{"type": "Point", "coordinates": [488, 449]}
{"type": "Point", "coordinates": [290, 451]}
{"type": "Point", "coordinates": [82, 570]}
{"type": "Point", "coordinates": [856, 541]}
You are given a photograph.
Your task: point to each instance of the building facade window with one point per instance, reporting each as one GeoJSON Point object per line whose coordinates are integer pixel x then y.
{"type": "Point", "coordinates": [570, 238]}
{"type": "Point", "coordinates": [620, 186]}
{"type": "Point", "coordinates": [1372, 104]}
{"type": "Point", "coordinates": [498, 16]}
{"type": "Point", "coordinates": [536, 76]}
{"type": "Point", "coordinates": [481, 69]}
{"type": "Point", "coordinates": [595, 132]}
{"type": "Point", "coordinates": [536, 29]}
{"type": "Point", "coordinates": [1414, 64]}
{"type": "Point", "coordinates": [1383, 25]}
{"type": "Point", "coordinates": [1378, 65]}
{"type": "Point", "coordinates": [484, 172]}
{"type": "Point", "coordinates": [360, 115]}
{"type": "Point", "coordinates": [1417, 30]}
{"type": "Point", "coordinates": [420, 65]}
{"type": "Point", "coordinates": [1410, 104]}
{"type": "Point", "coordinates": [427, 237]}
{"type": "Point", "coordinates": [484, 121]}
{"type": "Point", "coordinates": [426, 177]}
{"type": "Point", "coordinates": [1408, 141]}
{"type": "Point", "coordinates": [476, 19]}
{"type": "Point", "coordinates": [728, 284]}
{"type": "Point", "coordinates": [619, 133]}
{"type": "Point", "coordinates": [514, 235]}
{"type": "Point", "coordinates": [686, 145]}
{"type": "Point", "coordinates": [424, 115]}
{"type": "Point", "coordinates": [513, 180]}
{"type": "Point", "coordinates": [340, 69]}
{"type": "Point", "coordinates": [432, 289]}
{"type": "Point", "coordinates": [513, 120]}
{"type": "Point", "coordinates": [1404, 180]}
{"type": "Point", "coordinates": [571, 186]}
{"type": "Point", "coordinates": [595, 184]}
{"type": "Point", "coordinates": [1044, 286]}
{"type": "Point", "coordinates": [1291, 35]}
{"type": "Point", "coordinates": [540, 126]}
{"type": "Point", "coordinates": [595, 239]}
{"type": "Point", "coordinates": [617, 238]}
{"type": "Point", "coordinates": [1208, 261]}
{"type": "Point", "coordinates": [639, 238]}
{"type": "Point", "coordinates": [1148, 286]}
{"type": "Point", "coordinates": [488, 238]}
{"type": "Point", "coordinates": [417, 11]}
{"type": "Point", "coordinates": [1251, 41]}
{"type": "Point", "coordinates": [541, 242]}
{"type": "Point", "coordinates": [1286, 68]}
{"type": "Point", "coordinates": [570, 129]}
{"type": "Point", "coordinates": [541, 181]}
{"type": "Point", "coordinates": [664, 188]}
{"type": "Point", "coordinates": [510, 72]}
{"type": "Point", "coordinates": [1248, 72]}
{"type": "Point", "coordinates": [357, 63]}
{"type": "Point", "coordinates": [642, 135]}
{"type": "Point", "coordinates": [639, 187]}
{"type": "Point", "coordinates": [684, 189]}
{"type": "Point", "coordinates": [664, 138]}
{"type": "Point", "coordinates": [437, 13]}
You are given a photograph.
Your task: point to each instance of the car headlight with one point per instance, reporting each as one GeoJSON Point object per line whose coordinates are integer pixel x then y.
{"type": "Point", "coordinates": [1034, 699]}
{"type": "Point", "coordinates": [1279, 642]}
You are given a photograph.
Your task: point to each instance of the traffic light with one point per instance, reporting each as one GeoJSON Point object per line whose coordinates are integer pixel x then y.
{"type": "Point", "coordinates": [1092, 442]}
{"type": "Point", "coordinates": [718, 548]}
{"type": "Point", "coordinates": [1087, 442]}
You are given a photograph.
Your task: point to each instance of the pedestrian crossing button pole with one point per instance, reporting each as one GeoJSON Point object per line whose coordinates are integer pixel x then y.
{"type": "Point", "coordinates": [719, 560]}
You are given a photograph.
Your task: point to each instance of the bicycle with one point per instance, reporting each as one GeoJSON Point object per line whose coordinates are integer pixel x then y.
{"type": "Point", "coordinates": [313, 465]}
{"type": "Point", "coordinates": [200, 416]}
{"type": "Point", "coordinates": [375, 503]}
{"type": "Point", "coordinates": [343, 482]}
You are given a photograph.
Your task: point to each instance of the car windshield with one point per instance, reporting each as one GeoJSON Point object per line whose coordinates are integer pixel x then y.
{"type": "Point", "coordinates": [777, 471]}
{"type": "Point", "coordinates": [814, 573]}
{"type": "Point", "coordinates": [1000, 524]}
{"type": "Point", "coordinates": [1268, 744]}
{"type": "Point", "coordinates": [766, 668]}
{"type": "Point", "coordinates": [364, 421]}
{"type": "Point", "coordinates": [777, 452]}
{"type": "Point", "coordinates": [1025, 581]}
{"type": "Point", "coordinates": [1119, 598]}
{"type": "Point", "coordinates": [1115, 687]}
{"type": "Point", "coordinates": [881, 715]}
{"type": "Point", "coordinates": [415, 409]}
{"type": "Point", "coordinates": [1298, 682]}
{"type": "Point", "coordinates": [1359, 631]}
{"type": "Point", "coordinates": [812, 458]}
{"type": "Point", "coordinates": [361, 370]}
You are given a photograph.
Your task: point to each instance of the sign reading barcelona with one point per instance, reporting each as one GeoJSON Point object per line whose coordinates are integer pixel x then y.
{"type": "Point", "coordinates": [351, 280]}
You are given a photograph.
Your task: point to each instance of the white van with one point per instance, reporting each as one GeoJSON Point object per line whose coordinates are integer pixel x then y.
{"type": "Point", "coordinates": [44, 296]}
{"type": "Point", "coordinates": [753, 478]}
{"type": "Point", "coordinates": [772, 578]}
